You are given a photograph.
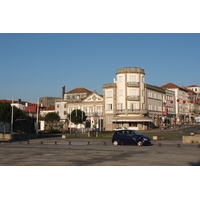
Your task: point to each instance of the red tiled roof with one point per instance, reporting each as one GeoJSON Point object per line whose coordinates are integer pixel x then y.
{"type": "Point", "coordinates": [31, 108]}
{"type": "Point", "coordinates": [3, 100]}
{"type": "Point", "coordinates": [169, 85]}
{"type": "Point", "coordinates": [193, 86]}
{"type": "Point", "coordinates": [48, 108]}
{"type": "Point", "coordinates": [79, 90]}
{"type": "Point", "coordinates": [189, 91]}
{"type": "Point", "coordinates": [12, 101]}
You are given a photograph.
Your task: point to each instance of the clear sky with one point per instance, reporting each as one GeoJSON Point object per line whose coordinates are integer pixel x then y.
{"type": "Point", "coordinates": [38, 65]}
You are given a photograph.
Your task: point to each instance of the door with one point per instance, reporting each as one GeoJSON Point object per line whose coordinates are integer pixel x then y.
{"type": "Point", "coordinates": [130, 137]}
{"type": "Point", "coordinates": [121, 136]}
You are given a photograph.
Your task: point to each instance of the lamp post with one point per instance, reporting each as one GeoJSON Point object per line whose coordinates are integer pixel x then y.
{"type": "Point", "coordinates": [12, 118]}
{"type": "Point", "coordinates": [37, 117]}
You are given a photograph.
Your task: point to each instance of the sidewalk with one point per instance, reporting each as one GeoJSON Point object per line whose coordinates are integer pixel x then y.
{"type": "Point", "coordinates": [157, 130]}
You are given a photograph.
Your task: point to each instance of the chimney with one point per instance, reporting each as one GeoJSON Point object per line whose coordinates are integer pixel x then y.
{"type": "Point", "coordinates": [63, 92]}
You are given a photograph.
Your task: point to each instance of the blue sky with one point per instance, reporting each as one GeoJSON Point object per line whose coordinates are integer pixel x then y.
{"type": "Point", "coordinates": [38, 65]}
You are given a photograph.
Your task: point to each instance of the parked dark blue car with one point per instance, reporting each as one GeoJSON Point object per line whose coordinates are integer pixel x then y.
{"type": "Point", "coordinates": [130, 137]}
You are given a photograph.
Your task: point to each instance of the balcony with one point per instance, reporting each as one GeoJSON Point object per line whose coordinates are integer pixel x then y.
{"type": "Point", "coordinates": [94, 114]}
{"type": "Point", "coordinates": [132, 111]}
{"type": "Point", "coordinates": [73, 100]}
{"type": "Point", "coordinates": [133, 98]}
{"type": "Point", "coordinates": [133, 84]}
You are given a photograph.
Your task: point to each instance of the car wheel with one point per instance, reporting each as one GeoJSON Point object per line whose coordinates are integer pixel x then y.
{"type": "Point", "coordinates": [140, 143]}
{"type": "Point", "coordinates": [115, 143]}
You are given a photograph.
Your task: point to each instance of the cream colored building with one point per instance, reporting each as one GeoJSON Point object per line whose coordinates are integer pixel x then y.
{"type": "Point", "coordinates": [125, 100]}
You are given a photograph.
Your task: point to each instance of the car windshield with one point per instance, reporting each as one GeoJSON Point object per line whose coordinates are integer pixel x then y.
{"type": "Point", "coordinates": [137, 133]}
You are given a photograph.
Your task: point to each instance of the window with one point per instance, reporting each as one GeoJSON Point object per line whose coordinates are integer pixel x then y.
{"type": "Point", "coordinates": [149, 94]}
{"type": "Point", "coordinates": [109, 120]}
{"type": "Point", "coordinates": [143, 93]}
{"type": "Point", "coordinates": [129, 133]}
{"type": "Point", "coordinates": [132, 78]}
{"type": "Point", "coordinates": [143, 79]}
{"type": "Point", "coordinates": [57, 105]}
{"type": "Point", "coordinates": [65, 113]}
{"type": "Point", "coordinates": [109, 94]}
{"type": "Point", "coordinates": [90, 110]}
{"type": "Point", "coordinates": [132, 92]}
{"type": "Point", "coordinates": [150, 107]}
{"type": "Point", "coordinates": [120, 106]}
{"type": "Point", "coordinates": [120, 132]}
{"type": "Point", "coordinates": [132, 124]}
{"type": "Point", "coordinates": [133, 106]}
{"type": "Point", "coordinates": [120, 78]}
{"type": "Point", "coordinates": [109, 106]}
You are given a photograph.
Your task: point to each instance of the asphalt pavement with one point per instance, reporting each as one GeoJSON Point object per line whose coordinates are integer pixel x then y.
{"type": "Point", "coordinates": [97, 152]}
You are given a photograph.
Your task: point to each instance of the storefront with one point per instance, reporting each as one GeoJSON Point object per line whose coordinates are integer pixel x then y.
{"type": "Point", "coordinates": [133, 123]}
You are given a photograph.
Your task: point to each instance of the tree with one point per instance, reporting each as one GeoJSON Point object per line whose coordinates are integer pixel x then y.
{"type": "Point", "coordinates": [6, 111]}
{"type": "Point", "coordinates": [77, 116]}
{"type": "Point", "coordinates": [51, 118]}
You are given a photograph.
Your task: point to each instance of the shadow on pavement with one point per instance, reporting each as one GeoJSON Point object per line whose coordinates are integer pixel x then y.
{"type": "Point", "coordinates": [194, 163]}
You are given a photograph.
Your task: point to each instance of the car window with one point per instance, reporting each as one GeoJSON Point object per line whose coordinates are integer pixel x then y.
{"type": "Point", "coordinates": [129, 133]}
{"type": "Point", "coordinates": [137, 133]}
{"type": "Point", "coordinates": [120, 132]}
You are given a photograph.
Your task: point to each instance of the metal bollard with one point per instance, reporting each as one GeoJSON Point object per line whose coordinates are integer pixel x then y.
{"type": "Point", "coordinates": [28, 142]}
{"type": "Point", "coordinates": [41, 142]}
{"type": "Point", "coordinates": [104, 143]}
{"type": "Point", "coordinates": [69, 143]}
{"type": "Point", "coordinates": [20, 141]}
{"type": "Point", "coordinates": [55, 142]}
{"type": "Point", "coordinates": [178, 145]}
{"type": "Point", "coordinates": [88, 143]}
{"type": "Point", "coordinates": [159, 145]}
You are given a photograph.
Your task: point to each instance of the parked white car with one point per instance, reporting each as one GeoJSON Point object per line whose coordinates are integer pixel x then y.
{"type": "Point", "coordinates": [120, 128]}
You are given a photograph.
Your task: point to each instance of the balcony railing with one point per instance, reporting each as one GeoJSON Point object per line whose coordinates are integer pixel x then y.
{"type": "Point", "coordinates": [94, 114]}
{"type": "Point", "coordinates": [133, 98]}
{"type": "Point", "coordinates": [133, 84]}
{"type": "Point", "coordinates": [132, 111]}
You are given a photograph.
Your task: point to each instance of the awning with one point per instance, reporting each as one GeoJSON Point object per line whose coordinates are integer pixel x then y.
{"type": "Point", "coordinates": [133, 119]}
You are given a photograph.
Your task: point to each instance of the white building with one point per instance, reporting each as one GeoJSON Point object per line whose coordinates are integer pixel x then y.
{"type": "Point", "coordinates": [187, 103]}
{"type": "Point", "coordinates": [194, 88]}
{"type": "Point", "coordinates": [160, 104]}
{"type": "Point", "coordinates": [80, 98]}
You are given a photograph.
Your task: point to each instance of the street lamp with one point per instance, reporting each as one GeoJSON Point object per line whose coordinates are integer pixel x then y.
{"type": "Point", "coordinates": [12, 118]}
{"type": "Point", "coordinates": [37, 120]}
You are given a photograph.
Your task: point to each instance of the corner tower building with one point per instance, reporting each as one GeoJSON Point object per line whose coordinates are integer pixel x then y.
{"type": "Point", "coordinates": [125, 100]}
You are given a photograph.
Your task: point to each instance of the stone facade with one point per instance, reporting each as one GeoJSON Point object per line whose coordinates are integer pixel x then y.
{"type": "Point", "coordinates": [89, 102]}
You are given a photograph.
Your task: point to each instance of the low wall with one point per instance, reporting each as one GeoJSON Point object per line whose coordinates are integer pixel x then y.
{"type": "Point", "coordinates": [6, 136]}
{"type": "Point", "coordinates": [191, 139]}
{"type": "Point", "coordinates": [16, 136]}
